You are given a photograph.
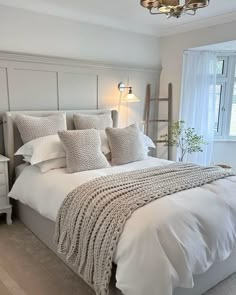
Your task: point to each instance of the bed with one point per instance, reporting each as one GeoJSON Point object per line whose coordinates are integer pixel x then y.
{"type": "Point", "coordinates": [42, 224]}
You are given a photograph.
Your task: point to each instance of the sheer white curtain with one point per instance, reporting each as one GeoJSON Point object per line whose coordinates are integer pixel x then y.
{"type": "Point", "coordinates": [198, 99]}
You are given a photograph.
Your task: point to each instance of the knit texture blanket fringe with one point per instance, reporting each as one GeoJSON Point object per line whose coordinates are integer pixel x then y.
{"type": "Point", "coordinates": [92, 217]}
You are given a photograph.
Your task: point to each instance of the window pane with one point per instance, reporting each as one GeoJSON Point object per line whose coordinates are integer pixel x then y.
{"type": "Point", "coordinates": [220, 67]}
{"type": "Point", "coordinates": [217, 105]}
{"type": "Point", "coordinates": [233, 114]}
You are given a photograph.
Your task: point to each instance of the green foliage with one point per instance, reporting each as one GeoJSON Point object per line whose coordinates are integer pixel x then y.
{"type": "Point", "coordinates": [186, 139]}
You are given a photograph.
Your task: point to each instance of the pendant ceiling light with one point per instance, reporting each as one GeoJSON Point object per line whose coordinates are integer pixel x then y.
{"type": "Point", "coordinates": [174, 7]}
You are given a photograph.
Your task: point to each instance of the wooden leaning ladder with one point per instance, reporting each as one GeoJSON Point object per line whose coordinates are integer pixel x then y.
{"type": "Point", "coordinates": [168, 100]}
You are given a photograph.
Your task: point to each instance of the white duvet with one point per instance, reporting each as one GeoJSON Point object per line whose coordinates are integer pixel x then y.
{"type": "Point", "coordinates": [164, 243]}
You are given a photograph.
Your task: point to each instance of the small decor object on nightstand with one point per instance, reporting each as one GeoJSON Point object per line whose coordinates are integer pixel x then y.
{"type": "Point", "coordinates": [5, 206]}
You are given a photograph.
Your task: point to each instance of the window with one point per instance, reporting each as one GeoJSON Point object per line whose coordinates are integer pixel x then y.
{"type": "Point", "coordinates": [225, 112]}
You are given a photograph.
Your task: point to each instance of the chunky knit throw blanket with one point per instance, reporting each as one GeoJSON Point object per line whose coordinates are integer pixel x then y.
{"type": "Point", "coordinates": [91, 218]}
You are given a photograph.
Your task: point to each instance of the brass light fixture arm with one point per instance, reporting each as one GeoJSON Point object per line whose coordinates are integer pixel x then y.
{"type": "Point", "coordinates": [154, 13]}
{"type": "Point", "coordinates": [189, 13]}
{"type": "Point", "coordinates": [184, 8]}
{"type": "Point", "coordinates": [195, 9]}
{"type": "Point", "coordinates": [122, 87]}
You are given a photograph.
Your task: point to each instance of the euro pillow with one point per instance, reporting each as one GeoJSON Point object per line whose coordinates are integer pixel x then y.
{"type": "Point", "coordinates": [34, 127]}
{"type": "Point", "coordinates": [42, 149]}
{"type": "Point", "coordinates": [83, 150]}
{"type": "Point", "coordinates": [99, 122]}
{"type": "Point", "coordinates": [126, 145]}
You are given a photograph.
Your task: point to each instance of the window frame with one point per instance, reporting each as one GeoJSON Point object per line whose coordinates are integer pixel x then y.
{"type": "Point", "coordinates": [227, 79]}
{"type": "Point", "coordinates": [219, 131]}
{"type": "Point", "coordinates": [225, 59]}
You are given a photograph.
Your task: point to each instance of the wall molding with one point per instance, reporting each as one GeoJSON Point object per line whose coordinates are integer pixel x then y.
{"type": "Point", "coordinates": [35, 82]}
{"type": "Point", "coordinates": [52, 60]}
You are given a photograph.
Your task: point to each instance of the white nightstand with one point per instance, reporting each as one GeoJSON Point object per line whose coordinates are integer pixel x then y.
{"type": "Point", "coordinates": [5, 206]}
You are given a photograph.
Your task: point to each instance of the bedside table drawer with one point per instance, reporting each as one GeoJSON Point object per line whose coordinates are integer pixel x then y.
{"type": "Point", "coordinates": [3, 191]}
{"type": "Point", "coordinates": [2, 179]}
{"type": "Point", "coordinates": [2, 167]}
{"type": "Point", "coordinates": [4, 202]}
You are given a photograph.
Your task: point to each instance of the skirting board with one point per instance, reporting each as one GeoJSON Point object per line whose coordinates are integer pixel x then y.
{"type": "Point", "coordinates": [43, 228]}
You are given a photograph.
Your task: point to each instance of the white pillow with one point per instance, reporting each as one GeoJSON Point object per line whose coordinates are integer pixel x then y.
{"type": "Point", "coordinates": [50, 147]}
{"type": "Point", "coordinates": [147, 141]}
{"type": "Point", "coordinates": [51, 164]}
{"type": "Point", "coordinates": [42, 149]}
{"type": "Point", "coordinates": [27, 159]}
{"type": "Point", "coordinates": [104, 142]}
{"type": "Point", "coordinates": [48, 165]}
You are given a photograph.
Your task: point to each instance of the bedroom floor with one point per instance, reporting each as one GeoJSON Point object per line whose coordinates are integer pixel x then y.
{"type": "Point", "coordinates": [27, 267]}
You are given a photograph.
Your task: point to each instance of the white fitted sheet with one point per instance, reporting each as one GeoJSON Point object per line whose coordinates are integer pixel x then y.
{"type": "Point", "coordinates": [164, 243]}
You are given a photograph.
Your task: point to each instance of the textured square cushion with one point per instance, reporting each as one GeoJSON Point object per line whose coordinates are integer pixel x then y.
{"type": "Point", "coordinates": [126, 145]}
{"type": "Point", "coordinates": [83, 150]}
{"type": "Point", "coordinates": [99, 122]}
{"type": "Point", "coordinates": [34, 127]}
{"type": "Point", "coordinates": [147, 141]}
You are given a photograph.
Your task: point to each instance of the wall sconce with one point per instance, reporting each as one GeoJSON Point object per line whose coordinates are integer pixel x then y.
{"type": "Point", "coordinates": [130, 97]}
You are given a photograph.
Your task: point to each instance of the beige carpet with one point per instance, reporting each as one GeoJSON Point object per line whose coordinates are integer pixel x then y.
{"type": "Point", "coordinates": [28, 267]}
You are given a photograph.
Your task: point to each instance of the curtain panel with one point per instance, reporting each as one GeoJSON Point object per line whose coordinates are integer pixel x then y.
{"type": "Point", "coordinates": [198, 99]}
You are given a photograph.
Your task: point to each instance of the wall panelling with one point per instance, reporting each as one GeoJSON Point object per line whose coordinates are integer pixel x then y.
{"type": "Point", "coordinates": [30, 82]}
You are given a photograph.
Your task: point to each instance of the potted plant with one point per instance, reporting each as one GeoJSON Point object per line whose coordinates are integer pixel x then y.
{"type": "Point", "coordinates": [186, 139]}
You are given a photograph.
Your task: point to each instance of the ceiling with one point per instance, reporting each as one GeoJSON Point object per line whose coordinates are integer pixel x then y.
{"type": "Point", "coordinates": [129, 15]}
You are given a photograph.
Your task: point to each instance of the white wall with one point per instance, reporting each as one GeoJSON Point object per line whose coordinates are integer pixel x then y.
{"type": "Point", "coordinates": [172, 48]}
{"type": "Point", "coordinates": [34, 33]}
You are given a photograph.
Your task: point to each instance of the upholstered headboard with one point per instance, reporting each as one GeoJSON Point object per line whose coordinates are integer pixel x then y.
{"type": "Point", "coordinates": [12, 139]}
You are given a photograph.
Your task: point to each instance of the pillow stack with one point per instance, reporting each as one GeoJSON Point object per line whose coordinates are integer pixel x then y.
{"type": "Point", "coordinates": [46, 152]}
{"type": "Point", "coordinates": [48, 144]}
{"type": "Point", "coordinates": [76, 151]}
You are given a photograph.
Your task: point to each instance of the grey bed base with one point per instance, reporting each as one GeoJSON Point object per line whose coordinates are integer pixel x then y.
{"type": "Point", "coordinates": [43, 228]}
